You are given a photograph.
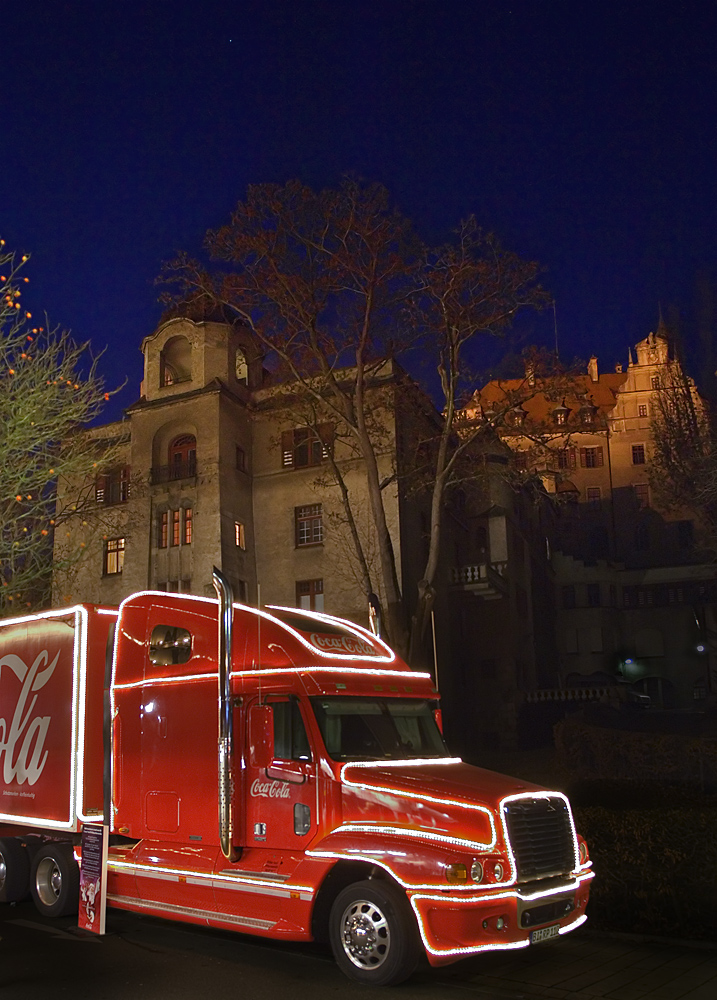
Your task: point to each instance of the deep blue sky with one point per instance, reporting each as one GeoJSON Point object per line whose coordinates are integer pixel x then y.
{"type": "Point", "coordinates": [583, 133]}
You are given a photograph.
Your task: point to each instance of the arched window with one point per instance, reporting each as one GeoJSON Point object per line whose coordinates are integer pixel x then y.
{"type": "Point", "coordinates": [183, 457]}
{"type": "Point", "coordinates": [241, 367]}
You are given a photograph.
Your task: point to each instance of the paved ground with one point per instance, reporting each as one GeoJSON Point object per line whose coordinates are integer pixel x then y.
{"type": "Point", "coordinates": [157, 960]}
{"type": "Point", "coordinates": [588, 965]}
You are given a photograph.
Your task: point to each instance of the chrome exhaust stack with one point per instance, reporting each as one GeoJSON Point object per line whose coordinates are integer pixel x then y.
{"type": "Point", "coordinates": [226, 716]}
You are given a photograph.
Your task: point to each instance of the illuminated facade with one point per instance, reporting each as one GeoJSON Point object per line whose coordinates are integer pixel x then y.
{"type": "Point", "coordinates": [635, 595]}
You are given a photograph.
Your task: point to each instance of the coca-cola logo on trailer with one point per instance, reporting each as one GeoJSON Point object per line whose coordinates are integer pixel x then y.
{"type": "Point", "coordinates": [22, 739]}
{"type": "Point", "coordinates": [342, 644]}
{"type": "Point", "coordinates": [270, 789]}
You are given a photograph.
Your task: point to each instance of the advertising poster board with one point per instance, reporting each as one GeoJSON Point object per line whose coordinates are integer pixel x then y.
{"type": "Point", "coordinates": [93, 878]}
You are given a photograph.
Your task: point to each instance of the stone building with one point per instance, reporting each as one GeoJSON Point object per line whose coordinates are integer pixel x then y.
{"type": "Point", "coordinates": [217, 469]}
{"type": "Point", "coordinates": [635, 592]}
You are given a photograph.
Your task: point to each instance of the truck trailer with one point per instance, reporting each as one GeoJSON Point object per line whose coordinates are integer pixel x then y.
{"type": "Point", "coordinates": [277, 772]}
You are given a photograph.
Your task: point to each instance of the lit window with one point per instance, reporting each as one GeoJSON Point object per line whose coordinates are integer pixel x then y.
{"type": "Point", "coordinates": [655, 381]}
{"type": "Point", "coordinates": [239, 535]}
{"type": "Point", "coordinates": [310, 595]}
{"type": "Point", "coordinates": [309, 524]}
{"type": "Point", "coordinates": [113, 556]}
{"type": "Point", "coordinates": [188, 517]}
{"type": "Point", "coordinates": [163, 530]}
{"type": "Point", "coordinates": [642, 410]}
{"type": "Point", "coordinates": [638, 454]}
{"type": "Point", "coordinates": [175, 527]}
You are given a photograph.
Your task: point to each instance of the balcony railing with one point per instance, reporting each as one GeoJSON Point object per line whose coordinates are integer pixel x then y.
{"type": "Point", "coordinates": [485, 579]}
{"type": "Point", "coordinates": [171, 473]}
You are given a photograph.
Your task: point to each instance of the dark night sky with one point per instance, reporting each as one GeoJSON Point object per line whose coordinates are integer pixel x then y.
{"type": "Point", "coordinates": [583, 133]}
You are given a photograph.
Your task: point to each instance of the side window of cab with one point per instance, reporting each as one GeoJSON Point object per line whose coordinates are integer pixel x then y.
{"type": "Point", "coordinates": [291, 741]}
{"type": "Point", "coordinates": [169, 645]}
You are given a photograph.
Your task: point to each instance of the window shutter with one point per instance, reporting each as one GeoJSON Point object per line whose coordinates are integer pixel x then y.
{"type": "Point", "coordinates": [598, 452]}
{"type": "Point", "coordinates": [287, 449]}
{"type": "Point", "coordinates": [583, 457]}
{"type": "Point", "coordinates": [100, 489]}
{"type": "Point", "coordinates": [573, 457]}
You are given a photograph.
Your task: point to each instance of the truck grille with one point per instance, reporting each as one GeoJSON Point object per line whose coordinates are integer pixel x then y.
{"type": "Point", "coordinates": [541, 837]}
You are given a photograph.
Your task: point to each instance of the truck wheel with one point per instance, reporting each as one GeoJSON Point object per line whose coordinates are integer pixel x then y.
{"type": "Point", "coordinates": [55, 882]}
{"type": "Point", "coordinates": [373, 933]}
{"type": "Point", "coordinates": [14, 871]}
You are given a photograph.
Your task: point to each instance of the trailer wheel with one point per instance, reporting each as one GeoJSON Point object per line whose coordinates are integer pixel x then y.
{"type": "Point", "coordinates": [373, 933]}
{"type": "Point", "coordinates": [14, 871]}
{"type": "Point", "coordinates": [55, 882]}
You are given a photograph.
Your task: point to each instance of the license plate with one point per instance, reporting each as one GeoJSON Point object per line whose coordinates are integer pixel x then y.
{"type": "Point", "coordinates": [544, 933]}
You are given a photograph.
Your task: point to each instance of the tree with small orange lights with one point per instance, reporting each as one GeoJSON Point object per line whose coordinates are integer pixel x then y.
{"type": "Point", "coordinates": [50, 389]}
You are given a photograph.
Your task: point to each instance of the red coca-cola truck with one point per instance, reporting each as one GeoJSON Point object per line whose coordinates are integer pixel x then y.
{"type": "Point", "coordinates": [277, 772]}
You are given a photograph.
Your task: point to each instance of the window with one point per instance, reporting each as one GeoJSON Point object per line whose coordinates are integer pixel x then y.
{"type": "Point", "coordinates": [655, 381]}
{"type": "Point", "coordinates": [638, 454]}
{"type": "Point", "coordinates": [169, 645]}
{"type": "Point", "coordinates": [594, 495]}
{"type": "Point", "coordinates": [183, 457]}
{"type": "Point", "coordinates": [306, 446]}
{"type": "Point", "coordinates": [239, 535]}
{"type": "Point", "coordinates": [174, 537]}
{"type": "Point", "coordinates": [566, 458]}
{"type": "Point", "coordinates": [175, 527]}
{"type": "Point", "coordinates": [591, 458]}
{"type": "Point", "coordinates": [113, 487]}
{"type": "Point", "coordinates": [642, 494]}
{"type": "Point", "coordinates": [241, 368]}
{"type": "Point", "coordinates": [309, 524]}
{"type": "Point", "coordinates": [568, 593]}
{"type": "Point", "coordinates": [593, 595]}
{"type": "Point", "coordinates": [310, 595]}
{"type": "Point", "coordinates": [290, 739]}
{"type": "Point", "coordinates": [163, 530]}
{"type": "Point", "coordinates": [642, 410]}
{"type": "Point", "coordinates": [113, 556]}
{"type": "Point", "coordinates": [240, 459]}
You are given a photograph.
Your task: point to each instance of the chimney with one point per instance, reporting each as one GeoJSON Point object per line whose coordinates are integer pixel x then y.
{"type": "Point", "coordinates": [593, 369]}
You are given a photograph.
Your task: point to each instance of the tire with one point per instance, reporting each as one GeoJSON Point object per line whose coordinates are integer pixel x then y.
{"type": "Point", "coordinates": [373, 933]}
{"type": "Point", "coordinates": [14, 871]}
{"type": "Point", "coordinates": [55, 881]}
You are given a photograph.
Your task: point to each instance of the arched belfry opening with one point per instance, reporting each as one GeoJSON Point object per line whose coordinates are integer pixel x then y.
{"type": "Point", "coordinates": [175, 362]}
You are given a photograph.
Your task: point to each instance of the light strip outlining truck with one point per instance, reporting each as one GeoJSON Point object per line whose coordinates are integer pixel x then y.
{"type": "Point", "coordinates": [278, 772]}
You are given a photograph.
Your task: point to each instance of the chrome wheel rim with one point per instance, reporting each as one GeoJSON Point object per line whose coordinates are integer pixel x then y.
{"type": "Point", "coordinates": [48, 881]}
{"type": "Point", "coordinates": [365, 934]}
{"type": "Point", "coordinates": [3, 871]}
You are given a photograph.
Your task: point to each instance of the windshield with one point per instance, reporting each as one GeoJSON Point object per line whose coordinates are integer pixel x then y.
{"type": "Point", "coordinates": [378, 728]}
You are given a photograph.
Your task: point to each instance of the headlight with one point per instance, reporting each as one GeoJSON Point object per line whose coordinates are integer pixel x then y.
{"type": "Point", "coordinates": [456, 873]}
{"type": "Point", "coordinates": [477, 871]}
{"type": "Point", "coordinates": [498, 871]}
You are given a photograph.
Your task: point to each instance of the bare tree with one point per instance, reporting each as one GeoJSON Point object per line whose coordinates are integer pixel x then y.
{"type": "Point", "coordinates": [49, 390]}
{"type": "Point", "coordinates": [683, 470]}
{"type": "Point", "coordinates": [336, 285]}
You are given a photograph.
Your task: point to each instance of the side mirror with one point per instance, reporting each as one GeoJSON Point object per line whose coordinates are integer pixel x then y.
{"type": "Point", "coordinates": [261, 736]}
